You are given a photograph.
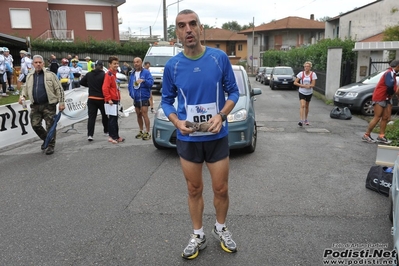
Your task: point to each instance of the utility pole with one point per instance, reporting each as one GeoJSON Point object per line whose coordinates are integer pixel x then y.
{"type": "Point", "coordinates": [253, 40]}
{"type": "Point", "coordinates": [165, 32]}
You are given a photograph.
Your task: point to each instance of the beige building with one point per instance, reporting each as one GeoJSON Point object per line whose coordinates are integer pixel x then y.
{"type": "Point", "coordinates": [282, 34]}
{"type": "Point", "coordinates": [234, 44]}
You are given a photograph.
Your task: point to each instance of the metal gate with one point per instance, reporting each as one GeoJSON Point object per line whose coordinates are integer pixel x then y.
{"type": "Point", "coordinates": [377, 65]}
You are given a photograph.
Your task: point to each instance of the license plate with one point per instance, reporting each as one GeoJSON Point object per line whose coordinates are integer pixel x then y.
{"type": "Point", "coordinates": [285, 82]}
{"type": "Point", "coordinates": [336, 99]}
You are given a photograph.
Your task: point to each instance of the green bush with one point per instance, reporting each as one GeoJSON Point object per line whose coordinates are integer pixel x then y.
{"type": "Point", "coordinates": [392, 133]}
{"type": "Point", "coordinates": [92, 46]}
{"type": "Point", "coordinates": [316, 53]}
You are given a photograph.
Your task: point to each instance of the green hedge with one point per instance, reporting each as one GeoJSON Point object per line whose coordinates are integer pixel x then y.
{"type": "Point", "coordinates": [92, 46]}
{"type": "Point", "coordinates": [316, 53]}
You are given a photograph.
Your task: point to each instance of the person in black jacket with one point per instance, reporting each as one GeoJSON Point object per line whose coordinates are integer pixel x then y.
{"type": "Point", "coordinates": [54, 64]}
{"type": "Point", "coordinates": [94, 80]}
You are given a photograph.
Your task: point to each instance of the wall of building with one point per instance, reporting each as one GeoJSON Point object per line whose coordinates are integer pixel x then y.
{"type": "Point", "coordinates": [243, 53]}
{"type": "Point", "coordinates": [40, 19]}
{"type": "Point", "coordinates": [76, 21]}
{"type": "Point", "coordinates": [369, 20]}
{"type": "Point", "coordinates": [38, 11]}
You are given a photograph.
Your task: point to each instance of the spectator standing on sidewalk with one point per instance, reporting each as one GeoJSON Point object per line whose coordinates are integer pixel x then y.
{"type": "Point", "coordinates": [112, 97]}
{"type": "Point", "coordinates": [200, 77]}
{"type": "Point", "coordinates": [382, 103]}
{"type": "Point", "coordinates": [3, 73]}
{"type": "Point", "coordinates": [10, 61]}
{"type": "Point", "coordinates": [44, 91]}
{"type": "Point", "coordinates": [94, 80]}
{"type": "Point", "coordinates": [76, 73]}
{"type": "Point", "coordinates": [54, 64]}
{"type": "Point", "coordinates": [64, 74]}
{"type": "Point", "coordinates": [139, 87]}
{"type": "Point", "coordinates": [24, 69]}
{"type": "Point", "coordinates": [90, 65]}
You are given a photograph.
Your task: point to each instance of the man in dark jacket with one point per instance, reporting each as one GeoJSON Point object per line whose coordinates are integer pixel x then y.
{"type": "Point", "coordinates": [94, 80]}
{"type": "Point", "coordinates": [54, 64]}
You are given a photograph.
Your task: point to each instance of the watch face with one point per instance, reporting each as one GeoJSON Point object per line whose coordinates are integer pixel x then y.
{"type": "Point", "coordinates": [224, 117]}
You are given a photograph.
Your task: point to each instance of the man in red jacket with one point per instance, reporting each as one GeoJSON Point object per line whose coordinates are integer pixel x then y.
{"type": "Point", "coordinates": [112, 98]}
{"type": "Point", "coordinates": [382, 103]}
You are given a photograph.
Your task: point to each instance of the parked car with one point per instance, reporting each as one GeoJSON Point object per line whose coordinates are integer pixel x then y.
{"type": "Point", "coordinates": [357, 96]}
{"type": "Point", "coordinates": [242, 123]}
{"type": "Point", "coordinates": [265, 75]}
{"type": "Point", "coordinates": [394, 206]}
{"type": "Point", "coordinates": [259, 73]}
{"type": "Point", "coordinates": [282, 77]}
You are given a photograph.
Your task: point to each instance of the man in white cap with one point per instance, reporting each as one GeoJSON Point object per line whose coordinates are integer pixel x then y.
{"type": "Point", "coordinates": [89, 64]}
{"type": "Point", "coordinates": [3, 75]}
{"type": "Point", "coordinates": [9, 60]}
{"type": "Point", "coordinates": [24, 69]}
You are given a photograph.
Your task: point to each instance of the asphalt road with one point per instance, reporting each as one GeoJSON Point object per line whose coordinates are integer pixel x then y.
{"type": "Point", "coordinates": [301, 192]}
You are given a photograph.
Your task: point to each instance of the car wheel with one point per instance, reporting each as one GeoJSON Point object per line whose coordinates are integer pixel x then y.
{"type": "Point", "coordinates": [251, 148]}
{"type": "Point", "coordinates": [367, 107]}
{"type": "Point", "coordinates": [159, 147]}
{"type": "Point", "coordinates": [391, 212]}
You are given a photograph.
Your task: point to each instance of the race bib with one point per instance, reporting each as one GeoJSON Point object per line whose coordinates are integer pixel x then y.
{"type": "Point", "coordinates": [200, 113]}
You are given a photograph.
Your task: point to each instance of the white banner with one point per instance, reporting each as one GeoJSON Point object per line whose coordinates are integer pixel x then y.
{"type": "Point", "coordinates": [15, 124]}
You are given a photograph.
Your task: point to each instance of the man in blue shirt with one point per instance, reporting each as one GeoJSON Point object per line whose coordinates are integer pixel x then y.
{"type": "Point", "coordinates": [200, 77]}
{"type": "Point", "coordinates": [140, 85]}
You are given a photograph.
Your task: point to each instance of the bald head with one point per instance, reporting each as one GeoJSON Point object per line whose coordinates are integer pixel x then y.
{"type": "Point", "coordinates": [137, 63]}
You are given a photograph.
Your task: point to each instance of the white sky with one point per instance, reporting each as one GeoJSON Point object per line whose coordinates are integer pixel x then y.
{"type": "Point", "coordinates": [139, 15]}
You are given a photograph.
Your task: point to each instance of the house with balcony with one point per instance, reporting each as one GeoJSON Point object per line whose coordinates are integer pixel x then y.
{"type": "Point", "coordinates": [60, 20]}
{"type": "Point", "coordinates": [282, 34]}
{"type": "Point", "coordinates": [234, 44]}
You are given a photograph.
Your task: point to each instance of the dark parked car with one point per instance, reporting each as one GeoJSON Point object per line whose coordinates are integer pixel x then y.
{"type": "Point", "coordinates": [282, 77]}
{"type": "Point", "coordinates": [259, 73]}
{"type": "Point", "coordinates": [357, 96]}
{"type": "Point", "coordinates": [242, 123]}
{"type": "Point", "coordinates": [265, 75]}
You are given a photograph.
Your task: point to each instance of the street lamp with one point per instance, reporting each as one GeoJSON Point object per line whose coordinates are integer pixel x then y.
{"type": "Point", "coordinates": [165, 22]}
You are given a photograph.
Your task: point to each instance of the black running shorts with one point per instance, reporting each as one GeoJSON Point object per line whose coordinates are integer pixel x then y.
{"type": "Point", "coordinates": [208, 151]}
{"type": "Point", "coordinates": [139, 104]}
{"type": "Point", "coordinates": [305, 97]}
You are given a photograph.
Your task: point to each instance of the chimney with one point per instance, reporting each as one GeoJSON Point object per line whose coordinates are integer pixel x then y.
{"type": "Point", "coordinates": [312, 16]}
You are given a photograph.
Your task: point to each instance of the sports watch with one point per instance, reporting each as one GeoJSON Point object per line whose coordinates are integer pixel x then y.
{"type": "Point", "coordinates": [223, 115]}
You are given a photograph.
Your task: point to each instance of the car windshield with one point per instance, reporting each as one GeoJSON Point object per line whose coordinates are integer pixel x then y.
{"type": "Point", "coordinates": [269, 70]}
{"type": "Point", "coordinates": [373, 78]}
{"type": "Point", "coordinates": [283, 71]}
{"type": "Point", "coordinates": [240, 81]}
{"type": "Point", "coordinates": [157, 61]}
{"type": "Point", "coordinates": [83, 64]}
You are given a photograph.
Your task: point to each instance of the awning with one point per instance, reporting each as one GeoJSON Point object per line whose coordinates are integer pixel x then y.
{"type": "Point", "coordinates": [376, 46]}
{"type": "Point", "coordinates": [12, 39]}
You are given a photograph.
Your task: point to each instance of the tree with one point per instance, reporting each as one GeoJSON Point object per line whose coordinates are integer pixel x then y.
{"type": "Point", "coordinates": [391, 33]}
{"type": "Point", "coordinates": [232, 25]}
{"type": "Point", "coordinates": [206, 26]}
{"type": "Point", "coordinates": [171, 32]}
{"type": "Point", "coordinates": [324, 19]}
{"type": "Point", "coordinates": [249, 26]}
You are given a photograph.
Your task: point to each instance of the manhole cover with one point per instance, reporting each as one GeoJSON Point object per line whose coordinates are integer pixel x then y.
{"type": "Point", "coordinates": [271, 129]}
{"type": "Point", "coordinates": [317, 130]}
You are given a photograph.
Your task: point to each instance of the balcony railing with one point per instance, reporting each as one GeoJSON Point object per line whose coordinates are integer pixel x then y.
{"type": "Point", "coordinates": [61, 35]}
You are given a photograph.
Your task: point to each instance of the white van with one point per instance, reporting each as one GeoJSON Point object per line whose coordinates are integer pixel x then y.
{"type": "Point", "coordinates": [158, 54]}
